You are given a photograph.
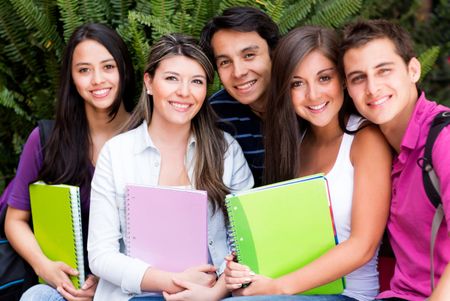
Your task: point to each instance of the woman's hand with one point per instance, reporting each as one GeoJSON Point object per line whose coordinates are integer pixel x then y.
{"type": "Point", "coordinates": [236, 274]}
{"type": "Point", "coordinates": [204, 275]}
{"type": "Point", "coordinates": [86, 293]}
{"type": "Point", "coordinates": [191, 291]}
{"type": "Point", "coordinates": [56, 273]}
{"type": "Point", "coordinates": [260, 285]}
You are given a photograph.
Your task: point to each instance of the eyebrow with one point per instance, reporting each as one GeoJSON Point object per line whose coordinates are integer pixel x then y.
{"type": "Point", "coordinates": [376, 67]}
{"type": "Point", "coordinates": [178, 74]}
{"type": "Point", "coordinates": [102, 62]}
{"type": "Point", "coordinates": [248, 48]}
{"type": "Point", "coordinates": [320, 71]}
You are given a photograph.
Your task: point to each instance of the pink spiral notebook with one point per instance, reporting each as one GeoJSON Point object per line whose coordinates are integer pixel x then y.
{"type": "Point", "coordinates": [167, 227]}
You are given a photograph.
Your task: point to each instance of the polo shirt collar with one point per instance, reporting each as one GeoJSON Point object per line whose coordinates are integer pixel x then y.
{"type": "Point", "coordinates": [416, 123]}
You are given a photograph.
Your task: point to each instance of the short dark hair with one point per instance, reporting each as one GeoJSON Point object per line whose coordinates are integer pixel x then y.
{"type": "Point", "coordinates": [361, 32]}
{"type": "Point", "coordinates": [242, 19]}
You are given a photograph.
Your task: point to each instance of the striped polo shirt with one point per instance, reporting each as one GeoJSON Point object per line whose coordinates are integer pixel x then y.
{"type": "Point", "coordinates": [245, 126]}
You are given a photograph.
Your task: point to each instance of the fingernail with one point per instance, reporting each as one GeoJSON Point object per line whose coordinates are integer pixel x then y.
{"type": "Point", "coordinates": [247, 280]}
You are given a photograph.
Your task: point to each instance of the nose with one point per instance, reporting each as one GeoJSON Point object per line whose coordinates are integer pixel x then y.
{"type": "Point", "coordinates": [97, 77]}
{"type": "Point", "coordinates": [239, 69]}
{"type": "Point", "coordinates": [314, 92]}
{"type": "Point", "coordinates": [372, 86]}
{"type": "Point", "coordinates": [183, 89]}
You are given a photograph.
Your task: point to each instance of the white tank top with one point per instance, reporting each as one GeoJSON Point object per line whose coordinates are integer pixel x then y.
{"type": "Point", "coordinates": [361, 284]}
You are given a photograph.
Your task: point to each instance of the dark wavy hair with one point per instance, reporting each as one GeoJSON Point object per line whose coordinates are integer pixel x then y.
{"type": "Point", "coordinates": [211, 144]}
{"type": "Point", "coordinates": [69, 147]}
{"type": "Point", "coordinates": [283, 126]}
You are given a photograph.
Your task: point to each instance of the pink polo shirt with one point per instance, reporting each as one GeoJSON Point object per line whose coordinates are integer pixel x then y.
{"type": "Point", "coordinates": [411, 215]}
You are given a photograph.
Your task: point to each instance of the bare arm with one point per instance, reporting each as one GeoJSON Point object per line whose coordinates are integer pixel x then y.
{"type": "Point", "coordinates": [23, 241]}
{"type": "Point", "coordinates": [197, 292]}
{"type": "Point", "coordinates": [371, 158]}
{"type": "Point", "coordinates": [158, 280]}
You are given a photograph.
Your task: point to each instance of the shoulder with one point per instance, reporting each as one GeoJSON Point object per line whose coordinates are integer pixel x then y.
{"type": "Point", "coordinates": [124, 145]}
{"type": "Point", "coordinates": [124, 139]}
{"type": "Point", "coordinates": [369, 141]}
{"type": "Point", "coordinates": [441, 146]}
{"type": "Point", "coordinates": [232, 144]}
{"type": "Point", "coordinates": [33, 142]}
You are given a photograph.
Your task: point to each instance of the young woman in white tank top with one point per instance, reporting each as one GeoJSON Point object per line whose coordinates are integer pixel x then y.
{"type": "Point", "coordinates": [312, 129]}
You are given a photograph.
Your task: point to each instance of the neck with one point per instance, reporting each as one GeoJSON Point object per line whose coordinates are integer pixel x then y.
{"type": "Point", "coordinates": [326, 134]}
{"type": "Point", "coordinates": [101, 123]}
{"type": "Point", "coordinates": [169, 135]}
{"type": "Point", "coordinates": [259, 107]}
{"type": "Point", "coordinates": [395, 129]}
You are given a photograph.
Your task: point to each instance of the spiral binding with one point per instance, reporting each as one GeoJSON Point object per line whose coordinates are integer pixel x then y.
{"type": "Point", "coordinates": [128, 199]}
{"type": "Point", "coordinates": [78, 232]}
{"type": "Point", "coordinates": [233, 241]}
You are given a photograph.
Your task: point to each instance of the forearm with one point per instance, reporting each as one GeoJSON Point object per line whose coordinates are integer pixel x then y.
{"type": "Point", "coordinates": [155, 280]}
{"type": "Point", "coordinates": [22, 239]}
{"type": "Point", "coordinates": [333, 265]}
{"type": "Point", "coordinates": [442, 291]}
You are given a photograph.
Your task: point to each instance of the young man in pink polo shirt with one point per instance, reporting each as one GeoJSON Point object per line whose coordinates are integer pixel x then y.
{"type": "Point", "coordinates": [381, 75]}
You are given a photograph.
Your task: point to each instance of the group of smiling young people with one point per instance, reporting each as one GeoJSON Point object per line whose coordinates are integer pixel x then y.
{"type": "Point", "coordinates": [308, 102]}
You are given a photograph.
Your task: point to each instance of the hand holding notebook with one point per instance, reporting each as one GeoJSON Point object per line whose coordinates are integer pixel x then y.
{"type": "Point", "coordinates": [57, 227]}
{"type": "Point", "coordinates": [280, 228]}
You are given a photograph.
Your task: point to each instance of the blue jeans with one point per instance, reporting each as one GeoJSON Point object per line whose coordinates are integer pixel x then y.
{"type": "Point", "coordinates": [293, 298]}
{"type": "Point", "coordinates": [41, 292]}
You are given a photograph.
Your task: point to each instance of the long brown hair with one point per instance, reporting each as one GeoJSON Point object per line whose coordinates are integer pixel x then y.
{"type": "Point", "coordinates": [211, 144]}
{"type": "Point", "coordinates": [283, 126]}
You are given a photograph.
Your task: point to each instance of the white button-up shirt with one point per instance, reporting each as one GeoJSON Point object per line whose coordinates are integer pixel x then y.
{"type": "Point", "coordinates": [132, 158]}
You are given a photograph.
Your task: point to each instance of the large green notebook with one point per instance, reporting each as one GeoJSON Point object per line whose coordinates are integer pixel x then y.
{"type": "Point", "coordinates": [279, 228]}
{"type": "Point", "coordinates": [56, 215]}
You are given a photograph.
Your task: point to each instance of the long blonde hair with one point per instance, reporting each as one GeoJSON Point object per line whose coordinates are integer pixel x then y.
{"type": "Point", "coordinates": [211, 143]}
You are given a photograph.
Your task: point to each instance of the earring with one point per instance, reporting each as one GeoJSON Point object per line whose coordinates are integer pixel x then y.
{"type": "Point", "coordinates": [148, 92]}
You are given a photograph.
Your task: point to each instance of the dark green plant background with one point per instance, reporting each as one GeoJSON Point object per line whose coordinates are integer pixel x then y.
{"type": "Point", "coordinates": [33, 34]}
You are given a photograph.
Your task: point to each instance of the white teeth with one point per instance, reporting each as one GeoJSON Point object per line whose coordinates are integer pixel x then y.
{"type": "Point", "coordinates": [100, 92]}
{"type": "Point", "coordinates": [318, 107]}
{"type": "Point", "coordinates": [246, 85]}
{"type": "Point", "coordinates": [379, 101]}
{"type": "Point", "coordinates": [180, 105]}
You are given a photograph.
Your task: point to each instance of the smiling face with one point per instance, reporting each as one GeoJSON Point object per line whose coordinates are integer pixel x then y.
{"type": "Point", "coordinates": [316, 90]}
{"type": "Point", "coordinates": [243, 63]}
{"type": "Point", "coordinates": [178, 89]}
{"type": "Point", "coordinates": [95, 75]}
{"type": "Point", "coordinates": [381, 85]}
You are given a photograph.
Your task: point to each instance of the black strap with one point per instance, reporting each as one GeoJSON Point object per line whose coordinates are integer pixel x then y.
{"type": "Point", "coordinates": [426, 162]}
{"type": "Point", "coordinates": [45, 129]}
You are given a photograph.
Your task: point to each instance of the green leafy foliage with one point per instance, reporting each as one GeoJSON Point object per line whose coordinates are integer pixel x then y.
{"type": "Point", "coordinates": [34, 32]}
{"type": "Point", "coordinates": [427, 60]}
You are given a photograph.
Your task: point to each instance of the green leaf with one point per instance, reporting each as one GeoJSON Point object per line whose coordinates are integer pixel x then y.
{"type": "Point", "coordinates": [428, 59]}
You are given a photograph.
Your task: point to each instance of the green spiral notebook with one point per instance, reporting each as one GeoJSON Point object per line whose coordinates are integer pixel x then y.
{"type": "Point", "coordinates": [56, 214]}
{"type": "Point", "coordinates": [277, 229]}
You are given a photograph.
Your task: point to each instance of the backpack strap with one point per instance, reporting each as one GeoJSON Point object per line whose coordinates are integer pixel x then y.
{"type": "Point", "coordinates": [45, 129]}
{"type": "Point", "coordinates": [430, 179]}
{"type": "Point", "coordinates": [431, 182]}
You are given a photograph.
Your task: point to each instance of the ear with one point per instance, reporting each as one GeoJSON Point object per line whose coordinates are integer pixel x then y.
{"type": "Point", "coordinates": [414, 69]}
{"type": "Point", "coordinates": [148, 82]}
